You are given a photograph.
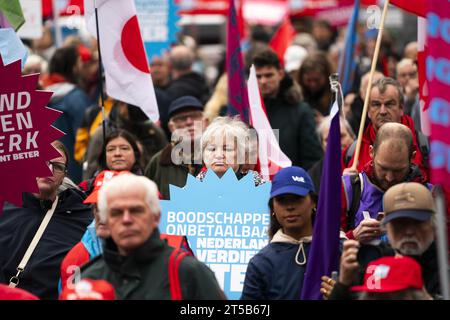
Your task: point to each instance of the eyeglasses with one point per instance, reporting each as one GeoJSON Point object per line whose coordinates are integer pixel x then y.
{"type": "Point", "coordinates": [57, 167]}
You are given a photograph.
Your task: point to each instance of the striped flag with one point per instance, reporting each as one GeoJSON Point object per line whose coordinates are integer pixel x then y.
{"type": "Point", "coordinates": [271, 158]}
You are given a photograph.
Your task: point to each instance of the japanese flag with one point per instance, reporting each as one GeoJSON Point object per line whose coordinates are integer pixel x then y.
{"type": "Point", "coordinates": [125, 63]}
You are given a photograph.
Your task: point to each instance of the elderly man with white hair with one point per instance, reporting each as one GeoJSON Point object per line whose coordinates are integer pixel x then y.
{"type": "Point", "coordinates": [135, 260]}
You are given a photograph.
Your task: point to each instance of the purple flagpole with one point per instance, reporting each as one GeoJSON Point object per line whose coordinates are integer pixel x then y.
{"type": "Point", "coordinates": [237, 88]}
{"type": "Point", "coordinates": [324, 254]}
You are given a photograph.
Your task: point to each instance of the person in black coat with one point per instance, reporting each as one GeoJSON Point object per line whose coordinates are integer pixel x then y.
{"type": "Point", "coordinates": [18, 226]}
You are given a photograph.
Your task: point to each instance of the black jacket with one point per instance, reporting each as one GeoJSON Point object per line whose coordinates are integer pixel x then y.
{"type": "Point", "coordinates": [18, 225]}
{"type": "Point", "coordinates": [295, 121]}
{"type": "Point", "coordinates": [191, 84]}
{"type": "Point", "coordinates": [143, 275]}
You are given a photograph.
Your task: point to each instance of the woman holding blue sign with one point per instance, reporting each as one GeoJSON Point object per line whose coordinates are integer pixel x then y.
{"type": "Point", "coordinates": [229, 143]}
{"type": "Point", "coordinates": [277, 271]}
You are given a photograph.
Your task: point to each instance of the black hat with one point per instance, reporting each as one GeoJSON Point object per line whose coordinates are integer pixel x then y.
{"type": "Point", "coordinates": [184, 103]}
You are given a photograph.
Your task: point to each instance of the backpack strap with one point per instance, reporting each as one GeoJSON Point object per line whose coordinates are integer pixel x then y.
{"type": "Point", "coordinates": [349, 154]}
{"type": "Point", "coordinates": [357, 186]}
{"type": "Point", "coordinates": [174, 280]}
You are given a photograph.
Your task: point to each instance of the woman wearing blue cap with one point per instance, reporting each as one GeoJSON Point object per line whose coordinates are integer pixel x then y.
{"type": "Point", "coordinates": [277, 271]}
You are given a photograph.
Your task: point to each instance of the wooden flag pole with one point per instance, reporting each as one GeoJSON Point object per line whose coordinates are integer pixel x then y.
{"type": "Point", "coordinates": [369, 87]}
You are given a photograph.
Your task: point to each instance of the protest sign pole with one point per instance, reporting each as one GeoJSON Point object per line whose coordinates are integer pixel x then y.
{"type": "Point", "coordinates": [441, 241]}
{"type": "Point", "coordinates": [100, 77]}
{"type": "Point", "coordinates": [369, 86]}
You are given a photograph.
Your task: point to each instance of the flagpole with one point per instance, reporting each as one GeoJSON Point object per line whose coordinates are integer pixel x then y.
{"type": "Point", "coordinates": [369, 86]}
{"type": "Point", "coordinates": [100, 77]}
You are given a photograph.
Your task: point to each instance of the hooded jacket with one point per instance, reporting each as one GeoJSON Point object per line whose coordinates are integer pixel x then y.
{"type": "Point", "coordinates": [18, 225]}
{"type": "Point", "coordinates": [144, 273]}
{"type": "Point", "coordinates": [295, 121]}
{"type": "Point", "coordinates": [277, 271]}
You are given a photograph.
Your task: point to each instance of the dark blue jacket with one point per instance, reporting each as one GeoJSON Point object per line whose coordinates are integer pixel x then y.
{"type": "Point", "coordinates": [18, 225]}
{"type": "Point", "coordinates": [274, 272]}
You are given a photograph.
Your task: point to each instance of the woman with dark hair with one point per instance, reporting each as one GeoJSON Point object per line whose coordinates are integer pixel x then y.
{"type": "Point", "coordinates": [121, 153]}
{"type": "Point", "coordinates": [277, 271]}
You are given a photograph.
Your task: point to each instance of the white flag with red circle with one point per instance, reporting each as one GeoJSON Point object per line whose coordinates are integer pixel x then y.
{"type": "Point", "coordinates": [125, 62]}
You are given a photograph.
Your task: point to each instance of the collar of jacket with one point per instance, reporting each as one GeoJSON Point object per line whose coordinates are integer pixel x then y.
{"type": "Point", "coordinates": [370, 134]}
{"type": "Point", "coordinates": [129, 265]}
{"type": "Point", "coordinates": [280, 236]}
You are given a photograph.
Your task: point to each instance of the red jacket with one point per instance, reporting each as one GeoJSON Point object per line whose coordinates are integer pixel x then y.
{"type": "Point", "coordinates": [369, 138]}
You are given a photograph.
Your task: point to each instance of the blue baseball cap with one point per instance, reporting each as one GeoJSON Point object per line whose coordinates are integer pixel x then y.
{"type": "Point", "coordinates": [184, 102]}
{"type": "Point", "coordinates": [292, 180]}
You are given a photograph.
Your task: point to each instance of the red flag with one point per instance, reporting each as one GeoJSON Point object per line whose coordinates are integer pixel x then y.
{"type": "Point", "coordinates": [414, 6]}
{"type": "Point", "coordinates": [283, 38]}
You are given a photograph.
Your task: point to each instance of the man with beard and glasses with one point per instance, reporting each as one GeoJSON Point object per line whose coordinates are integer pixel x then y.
{"type": "Point", "coordinates": [409, 221]}
{"type": "Point", "coordinates": [386, 105]}
{"type": "Point", "coordinates": [392, 155]}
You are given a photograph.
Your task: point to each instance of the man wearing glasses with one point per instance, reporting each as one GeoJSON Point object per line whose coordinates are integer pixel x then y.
{"type": "Point", "coordinates": [18, 226]}
{"type": "Point", "coordinates": [183, 155]}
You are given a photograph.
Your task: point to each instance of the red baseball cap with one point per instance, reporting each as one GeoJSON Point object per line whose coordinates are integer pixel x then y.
{"type": "Point", "coordinates": [88, 289]}
{"type": "Point", "coordinates": [389, 274]}
{"type": "Point", "coordinates": [100, 180]}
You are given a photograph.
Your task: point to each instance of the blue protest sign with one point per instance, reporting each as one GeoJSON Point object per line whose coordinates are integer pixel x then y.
{"type": "Point", "coordinates": [158, 22]}
{"type": "Point", "coordinates": [225, 221]}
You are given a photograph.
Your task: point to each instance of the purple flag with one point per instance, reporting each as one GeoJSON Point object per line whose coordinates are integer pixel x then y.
{"type": "Point", "coordinates": [323, 257]}
{"type": "Point", "coordinates": [237, 88]}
